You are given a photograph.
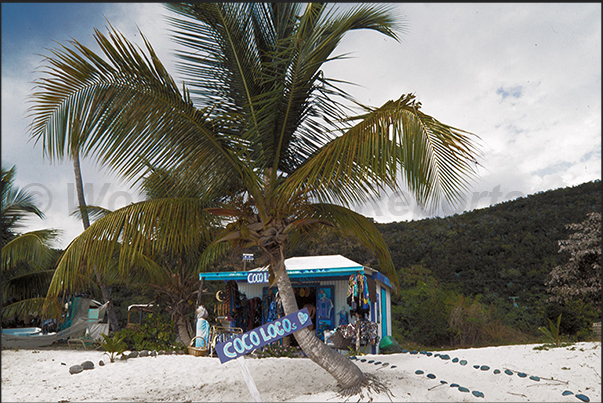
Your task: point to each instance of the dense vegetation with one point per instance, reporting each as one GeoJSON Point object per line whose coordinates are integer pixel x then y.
{"type": "Point", "coordinates": [461, 275]}
{"type": "Point", "coordinates": [458, 274]}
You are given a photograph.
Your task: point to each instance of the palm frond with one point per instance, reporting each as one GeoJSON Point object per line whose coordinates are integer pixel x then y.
{"type": "Point", "coordinates": [306, 101]}
{"type": "Point", "coordinates": [26, 286]}
{"type": "Point", "coordinates": [263, 61]}
{"type": "Point", "coordinates": [211, 256]}
{"type": "Point", "coordinates": [145, 270]}
{"type": "Point", "coordinates": [33, 248]}
{"type": "Point", "coordinates": [348, 223]}
{"type": "Point", "coordinates": [93, 212]}
{"type": "Point", "coordinates": [436, 160]}
{"type": "Point", "coordinates": [218, 60]}
{"type": "Point", "coordinates": [16, 205]}
{"type": "Point", "coordinates": [33, 307]}
{"type": "Point", "coordinates": [122, 106]}
{"type": "Point", "coordinates": [119, 240]}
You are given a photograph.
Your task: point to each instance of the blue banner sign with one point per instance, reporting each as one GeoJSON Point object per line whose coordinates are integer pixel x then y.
{"type": "Point", "coordinates": [260, 336]}
{"type": "Point", "coordinates": [258, 277]}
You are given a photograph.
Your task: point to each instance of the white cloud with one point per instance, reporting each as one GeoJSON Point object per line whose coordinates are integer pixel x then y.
{"type": "Point", "coordinates": [526, 78]}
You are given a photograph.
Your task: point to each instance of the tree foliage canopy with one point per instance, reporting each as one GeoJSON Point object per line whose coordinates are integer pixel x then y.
{"type": "Point", "coordinates": [580, 276]}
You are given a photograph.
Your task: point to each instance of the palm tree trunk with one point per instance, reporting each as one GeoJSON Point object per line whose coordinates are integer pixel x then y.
{"type": "Point", "coordinates": [182, 328]}
{"type": "Point", "coordinates": [341, 368]}
{"type": "Point", "coordinates": [357, 332]}
{"type": "Point", "coordinates": [200, 293]}
{"type": "Point", "coordinates": [79, 185]}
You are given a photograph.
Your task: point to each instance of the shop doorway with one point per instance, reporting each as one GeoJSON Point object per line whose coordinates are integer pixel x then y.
{"type": "Point", "coordinates": [305, 297]}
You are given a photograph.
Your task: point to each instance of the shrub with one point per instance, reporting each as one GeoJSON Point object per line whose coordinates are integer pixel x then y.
{"type": "Point", "coordinates": [498, 334]}
{"type": "Point", "coordinates": [157, 333]}
{"type": "Point", "coordinates": [553, 332]}
{"type": "Point", "coordinates": [420, 314]}
{"type": "Point", "coordinates": [468, 320]}
{"type": "Point", "coordinates": [113, 346]}
{"type": "Point", "coordinates": [578, 317]}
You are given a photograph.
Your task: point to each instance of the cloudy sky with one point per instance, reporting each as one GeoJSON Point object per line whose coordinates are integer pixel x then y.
{"type": "Point", "coordinates": [525, 78]}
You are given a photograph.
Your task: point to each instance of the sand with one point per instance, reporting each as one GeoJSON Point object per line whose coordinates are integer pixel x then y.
{"type": "Point", "coordinates": [43, 376]}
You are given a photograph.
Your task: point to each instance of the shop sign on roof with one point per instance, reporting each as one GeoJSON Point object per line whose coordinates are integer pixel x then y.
{"type": "Point", "coordinates": [258, 277]}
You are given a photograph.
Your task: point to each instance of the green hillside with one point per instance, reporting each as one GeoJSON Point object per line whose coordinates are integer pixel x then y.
{"type": "Point", "coordinates": [504, 250]}
{"type": "Point", "coordinates": [471, 264]}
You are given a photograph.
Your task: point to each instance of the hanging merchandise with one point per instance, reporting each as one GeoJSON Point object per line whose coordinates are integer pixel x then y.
{"type": "Point", "coordinates": [320, 332]}
{"type": "Point", "coordinates": [266, 300]}
{"type": "Point", "coordinates": [232, 299]}
{"type": "Point", "coordinates": [352, 293]}
{"type": "Point", "coordinates": [343, 317]}
{"type": "Point", "coordinates": [372, 289]}
{"type": "Point", "coordinates": [272, 308]}
{"type": "Point", "coordinates": [324, 305]}
{"type": "Point", "coordinates": [241, 312]}
{"type": "Point", "coordinates": [256, 318]}
{"type": "Point", "coordinates": [347, 331]}
{"type": "Point", "coordinates": [369, 333]}
{"type": "Point", "coordinates": [358, 294]}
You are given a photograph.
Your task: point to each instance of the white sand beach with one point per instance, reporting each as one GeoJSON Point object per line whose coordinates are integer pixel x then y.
{"type": "Point", "coordinates": [537, 376]}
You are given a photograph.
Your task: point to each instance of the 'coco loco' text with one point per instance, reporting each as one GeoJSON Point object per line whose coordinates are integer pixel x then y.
{"type": "Point", "coordinates": [263, 335]}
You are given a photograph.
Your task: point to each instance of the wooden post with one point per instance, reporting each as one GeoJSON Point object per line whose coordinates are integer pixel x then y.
{"type": "Point", "coordinates": [253, 390]}
{"type": "Point", "coordinates": [357, 333]}
{"type": "Point", "coordinates": [200, 293]}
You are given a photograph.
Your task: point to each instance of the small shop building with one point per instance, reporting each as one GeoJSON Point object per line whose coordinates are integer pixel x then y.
{"type": "Point", "coordinates": [335, 289]}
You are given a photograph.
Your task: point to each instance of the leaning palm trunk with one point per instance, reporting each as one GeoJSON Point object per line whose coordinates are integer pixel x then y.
{"type": "Point", "coordinates": [351, 379]}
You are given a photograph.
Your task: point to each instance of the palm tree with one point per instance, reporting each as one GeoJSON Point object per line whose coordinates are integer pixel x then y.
{"type": "Point", "coordinates": [84, 212]}
{"type": "Point", "coordinates": [17, 204]}
{"type": "Point", "coordinates": [27, 258]}
{"type": "Point", "coordinates": [259, 124]}
{"type": "Point", "coordinates": [155, 243]}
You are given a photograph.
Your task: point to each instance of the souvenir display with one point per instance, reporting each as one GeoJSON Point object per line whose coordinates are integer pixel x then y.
{"type": "Point", "coordinates": [358, 294]}
{"type": "Point", "coordinates": [324, 305]}
{"type": "Point", "coordinates": [343, 317]}
{"type": "Point", "coordinates": [242, 312]}
{"type": "Point", "coordinates": [369, 332]}
{"type": "Point", "coordinates": [272, 308]}
{"type": "Point", "coordinates": [250, 313]}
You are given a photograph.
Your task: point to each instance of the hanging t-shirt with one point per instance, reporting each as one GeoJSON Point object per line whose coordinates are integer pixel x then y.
{"type": "Point", "coordinates": [323, 308]}
{"type": "Point", "coordinates": [343, 317]}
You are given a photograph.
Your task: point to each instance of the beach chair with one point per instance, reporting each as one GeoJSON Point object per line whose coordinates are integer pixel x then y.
{"type": "Point", "coordinates": [219, 334]}
{"type": "Point", "coordinates": [86, 342]}
{"type": "Point", "coordinates": [92, 333]}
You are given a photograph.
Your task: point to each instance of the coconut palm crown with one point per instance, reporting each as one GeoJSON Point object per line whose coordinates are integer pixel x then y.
{"type": "Point", "coordinates": [27, 258]}
{"type": "Point", "coordinates": [257, 125]}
